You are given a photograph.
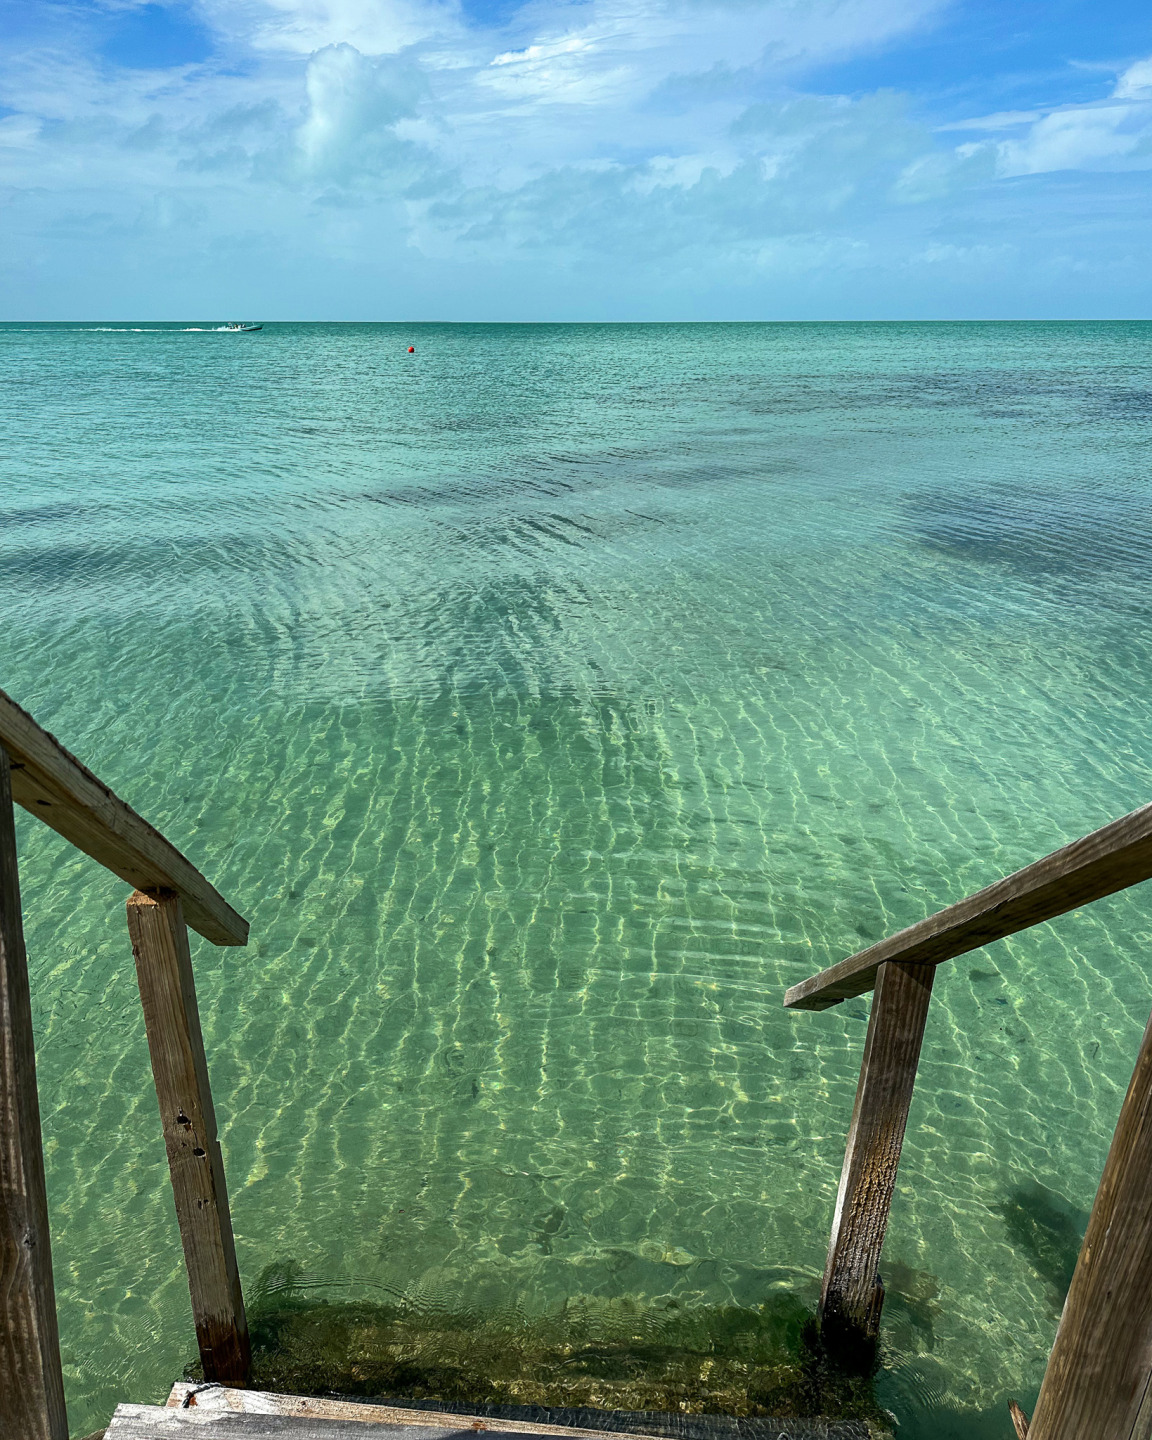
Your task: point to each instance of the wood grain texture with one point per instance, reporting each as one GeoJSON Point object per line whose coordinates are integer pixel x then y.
{"type": "Point", "coordinates": [1096, 1385]}
{"type": "Point", "coordinates": [153, 1422]}
{"type": "Point", "coordinates": [637, 1424]}
{"type": "Point", "coordinates": [187, 1394]}
{"type": "Point", "coordinates": [1110, 859]}
{"type": "Point", "coordinates": [180, 1068]}
{"type": "Point", "coordinates": [158, 1422]}
{"type": "Point", "coordinates": [31, 1383]}
{"type": "Point", "coordinates": [853, 1292]}
{"type": "Point", "coordinates": [55, 787]}
{"type": "Point", "coordinates": [1019, 1420]}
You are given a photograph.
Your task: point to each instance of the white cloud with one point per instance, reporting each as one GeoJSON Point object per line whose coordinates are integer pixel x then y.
{"type": "Point", "coordinates": [301, 27]}
{"type": "Point", "coordinates": [954, 256]}
{"type": "Point", "coordinates": [1112, 134]}
{"type": "Point", "coordinates": [19, 132]}
{"type": "Point", "coordinates": [623, 49]}
{"type": "Point", "coordinates": [353, 102]}
{"type": "Point", "coordinates": [1104, 137]}
{"type": "Point", "coordinates": [784, 169]}
{"type": "Point", "coordinates": [1002, 120]}
{"type": "Point", "coordinates": [667, 134]}
{"type": "Point", "coordinates": [574, 69]}
{"type": "Point", "coordinates": [1136, 82]}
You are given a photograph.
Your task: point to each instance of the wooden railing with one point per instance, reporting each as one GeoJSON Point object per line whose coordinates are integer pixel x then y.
{"type": "Point", "coordinates": [1098, 1382]}
{"type": "Point", "coordinates": [39, 774]}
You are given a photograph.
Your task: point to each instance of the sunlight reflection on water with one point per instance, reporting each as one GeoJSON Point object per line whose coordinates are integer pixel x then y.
{"type": "Point", "coordinates": [549, 702]}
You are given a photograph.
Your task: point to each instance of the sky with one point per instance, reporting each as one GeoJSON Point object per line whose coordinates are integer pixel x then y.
{"type": "Point", "coordinates": [575, 159]}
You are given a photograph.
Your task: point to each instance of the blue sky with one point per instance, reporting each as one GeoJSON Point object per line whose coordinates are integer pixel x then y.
{"type": "Point", "coordinates": [575, 159]}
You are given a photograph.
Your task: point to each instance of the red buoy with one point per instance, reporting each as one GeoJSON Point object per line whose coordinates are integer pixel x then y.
{"type": "Point", "coordinates": [411, 349]}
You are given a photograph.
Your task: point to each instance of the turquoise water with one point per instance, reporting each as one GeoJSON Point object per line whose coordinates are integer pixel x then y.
{"type": "Point", "coordinates": [550, 700]}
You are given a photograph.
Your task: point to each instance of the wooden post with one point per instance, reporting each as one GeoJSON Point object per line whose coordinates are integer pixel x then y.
{"type": "Point", "coordinates": [168, 993]}
{"type": "Point", "coordinates": [1098, 1383]}
{"type": "Point", "coordinates": [31, 1382]}
{"type": "Point", "coordinates": [853, 1292]}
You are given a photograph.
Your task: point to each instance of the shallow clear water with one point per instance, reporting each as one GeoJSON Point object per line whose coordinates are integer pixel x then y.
{"type": "Point", "coordinates": [550, 700]}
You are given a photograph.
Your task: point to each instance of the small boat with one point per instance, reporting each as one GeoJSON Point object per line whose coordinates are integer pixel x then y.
{"type": "Point", "coordinates": [235, 327]}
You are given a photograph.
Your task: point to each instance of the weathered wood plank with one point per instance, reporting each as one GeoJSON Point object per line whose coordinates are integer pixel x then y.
{"type": "Point", "coordinates": [62, 792]}
{"type": "Point", "coordinates": [180, 1069]}
{"type": "Point", "coordinates": [153, 1422]}
{"type": "Point", "coordinates": [853, 1292]}
{"type": "Point", "coordinates": [31, 1383]}
{"type": "Point", "coordinates": [1099, 1374]}
{"type": "Point", "coordinates": [158, 1422]}
{"type": "Point", "coordinates": [1110, 859]}
{"type": "Point", "coordinates": [222, 1399]}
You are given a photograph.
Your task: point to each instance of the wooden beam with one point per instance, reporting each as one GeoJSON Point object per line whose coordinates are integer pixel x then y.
{"type": "Point", "coordinates": [221, 1400]}
{"type": "Point", "coordinates": [31, 1382]}
{"type": "Point", "coordinates": [853, 1292]}
{"type": "Point", "coordinates": [1110, 859]}
{"type": "Point", "coordinates": [1098, 1383]}
{"type": "Point", "coordinates": [159, 1422]}
{"type": "Point", "coordinates": [55, 787]}
{"type": "Point", "coordinates": [180, 1068]}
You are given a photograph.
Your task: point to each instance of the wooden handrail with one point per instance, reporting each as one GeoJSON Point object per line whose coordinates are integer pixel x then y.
{"type": "Point", "coordinates": [39, 774]}
{"type": "Point", "coordinates": [1098, 1382]}
{"type": "Point", "coordinates": [55, 787]}
{"type": "Point", "coordinates": [1099, 864]}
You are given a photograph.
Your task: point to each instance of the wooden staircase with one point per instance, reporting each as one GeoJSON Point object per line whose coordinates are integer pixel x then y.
{"type": "Point", "coordinates": [1098, 1384]}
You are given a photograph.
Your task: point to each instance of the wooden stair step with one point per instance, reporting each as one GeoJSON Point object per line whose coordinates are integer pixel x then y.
{"type": "Point", "coordinates": [158, 1422]}
{"type": "Point", "coordinates": [218, 1412]}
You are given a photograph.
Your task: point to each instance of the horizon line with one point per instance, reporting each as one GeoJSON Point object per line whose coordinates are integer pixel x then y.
{"type": "Point", "coordinates": [861, 320]}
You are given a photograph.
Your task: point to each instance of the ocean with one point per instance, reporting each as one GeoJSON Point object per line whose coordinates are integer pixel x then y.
{"type": "Point", "coordinates": [550, 699]}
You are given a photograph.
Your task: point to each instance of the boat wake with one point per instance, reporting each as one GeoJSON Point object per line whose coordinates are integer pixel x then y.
{"type": "Point", "coordinates": [165, 330]}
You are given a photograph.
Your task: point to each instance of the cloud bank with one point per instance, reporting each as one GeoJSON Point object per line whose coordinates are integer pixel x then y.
{"type": "Point", "coordinates": [604, 159]}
